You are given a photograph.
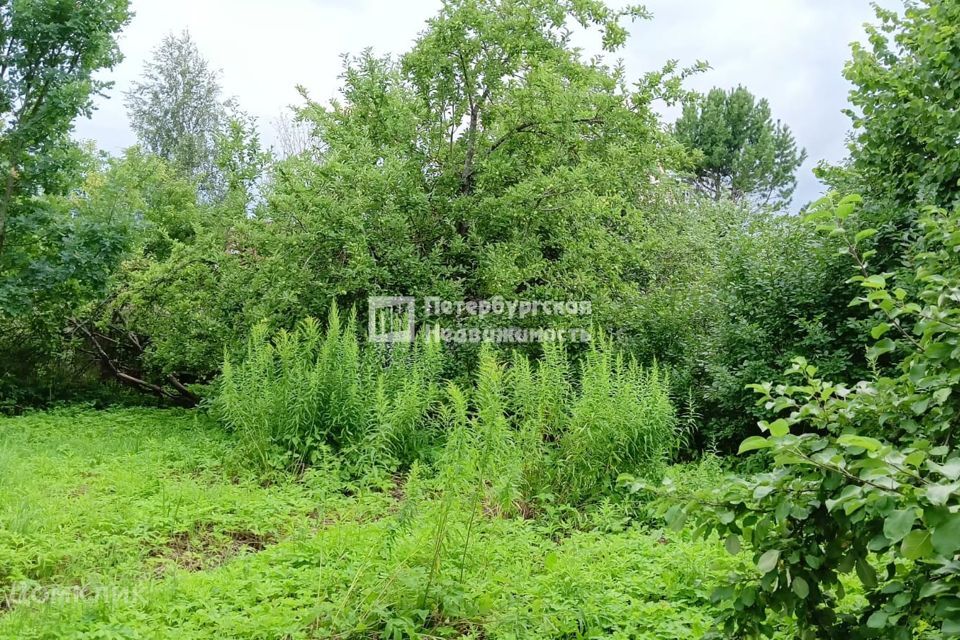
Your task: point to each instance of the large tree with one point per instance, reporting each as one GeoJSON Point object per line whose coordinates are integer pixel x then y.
{"type": "Point", "coordinates": [739, 150]}
{"type": "Point", "coordinates": [52, 254]}
{"type": "Point", "coordinates": [177, 110]}
{"type": "Point", "coordinates": [51, 49]}
{"type": "Point", "coordinates": [491, 159]}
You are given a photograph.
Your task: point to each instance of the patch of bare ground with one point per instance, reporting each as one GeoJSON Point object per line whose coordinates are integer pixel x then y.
{"type": "Point", "coordinates": [206, 547]}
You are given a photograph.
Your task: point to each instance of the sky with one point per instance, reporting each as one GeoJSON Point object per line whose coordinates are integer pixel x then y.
{"type": "Point", "coordinates": [791, 52]}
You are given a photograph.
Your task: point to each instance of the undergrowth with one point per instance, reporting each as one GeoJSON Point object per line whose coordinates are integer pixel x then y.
{"type": "Point", "coordinates": [417, 506]}
{"type": "Point", "coordinates": [135, 532]}
{"type": "Point", "coordinates": [557, 427]}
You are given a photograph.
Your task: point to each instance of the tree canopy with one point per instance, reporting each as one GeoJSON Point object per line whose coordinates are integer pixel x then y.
{"type": "Point", "coordinates": [177, 109]}
{"type": "Point", "coordinates": [740, 152]}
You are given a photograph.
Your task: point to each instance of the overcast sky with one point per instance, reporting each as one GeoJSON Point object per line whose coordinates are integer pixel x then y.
{"type": "Point", "coordinates": [790, 51]}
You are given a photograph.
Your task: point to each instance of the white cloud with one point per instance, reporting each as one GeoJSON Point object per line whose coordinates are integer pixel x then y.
{"type": "Point", "coordinates": [789, 51]}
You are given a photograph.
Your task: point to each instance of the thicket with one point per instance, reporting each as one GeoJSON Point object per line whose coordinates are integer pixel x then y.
{"type": "Point", "coordinates": [495, 159]}
{"type": "Point", "coordinates": [555, 425]}
{"type": "Point", "coordinates": [566, 187]}
{"type": "Point", "coordinates": [866, 472]}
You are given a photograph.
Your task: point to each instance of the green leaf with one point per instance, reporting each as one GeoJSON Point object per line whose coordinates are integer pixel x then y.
{"type": "Point", "coordinates": [881, 347]}
{"type": "Point", "coordinates": [898, 524]}
{"type": "Point", "coordinates": [933, 588]}
{"type": "Point", "coordinates": [864, 442]}
{"type": "Point", "coordinates": [800, 587]}
{"type": "Point", "coordinates": [950, 469]}
{"type": "Point", "coordinates": [916, 545]}
{"type": "Point", "coordinates": [866, 573]}
{"type": "Point", "coordinates": [940, 395]}
{"type": "Point", "coordinates": [951, 627]}
{"type": "Point", "coordinates": [779, 428]}
{"type": "Point", "coordinates": [946, 536]}
{"type": "Point", "coordinates": [877, 620]}
{"type": "Point", "coordinates": [939, 494]}
{"type": "Point", "coordinates": [753, 443]}
{"type": "Point", "coordinates": [675, 517]}
{"type": "Point", "coordinates": [768, 561]}
{"type": "Point", "coordinates": [878, 331]}
{"type": "Point", "coordinates": [847, 206]}
{"type": "Point", "coordinates": [732, 544]}
{"type": "Point", "coordinates": [920, 406]}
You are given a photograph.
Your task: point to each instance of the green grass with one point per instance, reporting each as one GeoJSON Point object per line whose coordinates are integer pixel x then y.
{"type": "Point", "coordinates": [138, 524]}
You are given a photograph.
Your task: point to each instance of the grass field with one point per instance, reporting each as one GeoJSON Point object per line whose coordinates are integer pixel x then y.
{"type": "Point", "coordinates": [140, 524]}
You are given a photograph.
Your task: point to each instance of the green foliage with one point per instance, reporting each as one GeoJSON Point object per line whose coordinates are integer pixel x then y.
{"type": "Point", "coordinates": [181, 293]}
{"type": "Point", "coordinates": [548, 427]}
{"type": "Point", "coordinates": [564, 189]}
{"type": "Point", "coordinates": [473, 492]}
{"type": "Point", "coordinates": [782, 293]}
{"type": "Point", "coordinates": [906, 86]}
{"type": "Point", "coordinates": [620, 420]}
{"type": "Point", "coordinates": [302, 393]}
{"type": "Point", "coordinates": [132, 524]}
{"type": "Point", "coordinates": [51, 50]}
{"type": "Point", "coordinates": [178, 114]}
{"type": "Point", "coordinates": [498, 160]}
{"type": "Point", "coordinates": [864, 476]}
{"type": "Point", "coordinates": [63, 259]}
{"type": "Point", "coordinates": [92, 502]}
{"type": "Point", "coordinates": [739, 151]}
{"type": "Point", "coordinates": [53, 255]}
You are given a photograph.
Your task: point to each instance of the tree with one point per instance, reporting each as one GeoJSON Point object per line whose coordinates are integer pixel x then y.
{"type": "Point", "coordinates": [491, 159]}
{"type": "Point", "coordinates": [176, 301]}
{"type": "Point", "coordinates": [54, 254]}
{"type": "Point", "coordinates": [177, 110]}
{"type": "Point", "coordinates": [51, 49]}
{"type": "Point", "coordinates": [904, 105]}
{"type": "Point", "coordinates": [293, 136]}
{"type": "Point", "coordinates": [739, 151]}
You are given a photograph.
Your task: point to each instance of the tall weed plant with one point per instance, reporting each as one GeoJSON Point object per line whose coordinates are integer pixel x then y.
{"type": "Point", "coordinates": [526, 430]}
{"type": "Point", "coordinates": [554, 429]}
{"type": "Point", "coordinates": [305, 392]}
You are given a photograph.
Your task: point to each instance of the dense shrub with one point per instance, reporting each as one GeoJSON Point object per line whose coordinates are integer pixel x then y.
{"type": "Point", "coordinates": [782, 293]}
{"type": "Point", "coordinates": [550, 425]}
{"type": "Point", "coordinates": [302, 392]}
{"type": "Point", "coordinates": [865, 476]}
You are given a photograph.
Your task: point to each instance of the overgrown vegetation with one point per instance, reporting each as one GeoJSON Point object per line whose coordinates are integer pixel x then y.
{"type": "Point", "coordinates": [315, 483]}
{"type": "Point", "coordinates": [140, 523]}
{"type": "Point", "coordinates": [571, 428]}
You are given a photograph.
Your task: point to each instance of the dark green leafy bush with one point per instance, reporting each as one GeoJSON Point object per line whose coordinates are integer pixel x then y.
{"type": "Point", "coordinates": [866, 477]}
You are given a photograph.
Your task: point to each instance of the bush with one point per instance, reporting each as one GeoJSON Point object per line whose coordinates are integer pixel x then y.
{"type": "Point", "coordinates": [865, 476]}
{"type": "Point", "coordinates": [621, 419]}
{"type": "Point", "coordinates": [307, 391]}
{"type": "Point", "coordinates": [550, 426]}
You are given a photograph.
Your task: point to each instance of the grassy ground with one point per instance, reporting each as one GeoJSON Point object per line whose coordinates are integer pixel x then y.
{"type": "Point", "coordinates": [138, 524]}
